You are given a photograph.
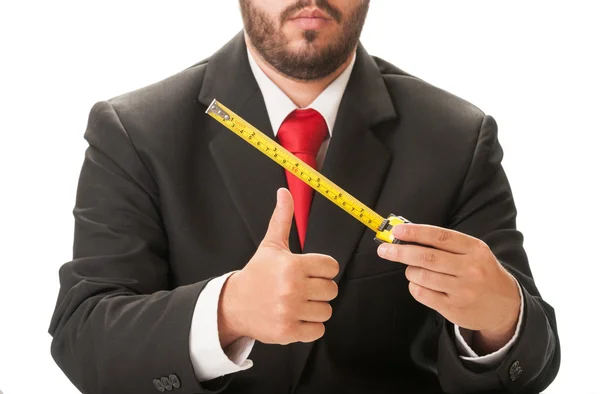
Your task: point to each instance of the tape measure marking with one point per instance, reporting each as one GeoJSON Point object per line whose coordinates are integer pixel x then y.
{"type": "Point", "coordinates": [296, 166]}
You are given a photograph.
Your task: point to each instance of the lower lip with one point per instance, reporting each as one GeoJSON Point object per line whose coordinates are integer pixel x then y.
{"type": "Point", "coordinates": [310, 23]}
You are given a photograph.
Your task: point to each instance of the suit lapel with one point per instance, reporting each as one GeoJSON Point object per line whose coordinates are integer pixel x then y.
{"type": "Point", "coordinates": [356, 161]}
{"type": "Point", "coordinates": [251, 178]}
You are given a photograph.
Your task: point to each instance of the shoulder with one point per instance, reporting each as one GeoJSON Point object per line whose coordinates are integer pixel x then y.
{"type": "Point", "coordinates": [156, 119]}
{"type": "Point", "coordinates": [159, 102]}
{"type": "Point", "coordinates": [417, 99]}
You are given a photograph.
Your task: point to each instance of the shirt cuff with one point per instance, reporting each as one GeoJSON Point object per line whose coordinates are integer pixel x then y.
{"type": "Point", "coordinates": [209, 360]}
{"type": "Point", "coordinates": [463, 338]}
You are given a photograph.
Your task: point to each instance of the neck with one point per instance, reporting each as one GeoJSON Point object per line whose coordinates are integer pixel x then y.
{"type": "Point", "coordinates": [302, 93]}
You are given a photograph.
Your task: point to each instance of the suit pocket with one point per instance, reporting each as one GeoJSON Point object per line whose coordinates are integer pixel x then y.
{"type": "Point", "coordinates": [367, 264]}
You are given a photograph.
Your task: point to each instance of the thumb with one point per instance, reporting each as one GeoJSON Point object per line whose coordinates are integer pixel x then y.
{"type": "Point", "coordinates": [281, 222]}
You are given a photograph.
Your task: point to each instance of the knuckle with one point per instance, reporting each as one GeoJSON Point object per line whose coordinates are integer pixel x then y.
{"type": "Point", "coordinates": [476, 272]}
{"type": "Point", "coordinates": [442, 235]}
{"type": "Point", "coordinates": [287, 289]}
{"type": "Point", "coordinates": [285, 269]}
{"type": "Point", "coordinates": [289, 268]}
{"type": "Point", "coordinates": [394, 253]}
{"type": "Point", "coordinates": [398, 252]}
{"type": "Point", "coordinates": [428, 257]}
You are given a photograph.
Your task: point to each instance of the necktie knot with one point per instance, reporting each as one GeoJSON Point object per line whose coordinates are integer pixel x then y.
{"type": "Point", "coordinates": [303, 131]}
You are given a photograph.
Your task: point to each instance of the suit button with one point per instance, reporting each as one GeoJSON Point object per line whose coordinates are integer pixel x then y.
{"type": "Point", "coordinates": [167, 383]}
{"type": "Point", "coordinates": [175, 381]}
{"type": "Point", "coordinates": [158, 385]}
{"type": "Point", "coordinates": [515, 371]}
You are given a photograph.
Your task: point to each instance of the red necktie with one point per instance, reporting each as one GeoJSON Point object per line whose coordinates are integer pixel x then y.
{"type": "Point", "coordinates": [302, 133]}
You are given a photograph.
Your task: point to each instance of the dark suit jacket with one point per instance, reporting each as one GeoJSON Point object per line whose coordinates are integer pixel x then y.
{"type": "Point", "coordinates": [168, 199]}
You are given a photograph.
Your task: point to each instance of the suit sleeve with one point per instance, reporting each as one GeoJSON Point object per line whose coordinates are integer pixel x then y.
{"type": "Point", "coordinates": [119, 327]}
{"type": "Point", "coordinates": [485, 209]}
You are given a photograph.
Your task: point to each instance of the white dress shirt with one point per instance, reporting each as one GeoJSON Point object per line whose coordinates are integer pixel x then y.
{"type": "Point", "coordinates": [208, 358]}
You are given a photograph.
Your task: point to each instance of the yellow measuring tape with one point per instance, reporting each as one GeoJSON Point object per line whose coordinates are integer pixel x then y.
{"type": "Point", "coordinates": [380, 225]}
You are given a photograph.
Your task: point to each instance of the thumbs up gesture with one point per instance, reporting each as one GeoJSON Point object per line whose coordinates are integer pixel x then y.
{"type": "Point", "coordinates": [278, 297]}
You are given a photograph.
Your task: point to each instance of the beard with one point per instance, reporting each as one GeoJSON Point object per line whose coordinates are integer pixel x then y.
{"type": "Point", "coordinates": [308, 62]}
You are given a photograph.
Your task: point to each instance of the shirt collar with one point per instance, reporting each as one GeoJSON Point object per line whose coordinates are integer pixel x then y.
{"type": "Point", "coordinates": [279, 105]}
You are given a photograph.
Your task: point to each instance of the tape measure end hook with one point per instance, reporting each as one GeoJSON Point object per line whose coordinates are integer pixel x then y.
{"type": "Point", "coordinates": [216, 108]}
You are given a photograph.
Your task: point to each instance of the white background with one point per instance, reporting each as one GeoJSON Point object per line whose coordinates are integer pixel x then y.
{"type": "Point", "coordinates": [531, 64]}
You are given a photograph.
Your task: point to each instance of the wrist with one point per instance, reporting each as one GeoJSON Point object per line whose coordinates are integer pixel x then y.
{"type": "Point", "coordinates": [489, 341]}
{"type": "Point", "coordinates": [229, 326]}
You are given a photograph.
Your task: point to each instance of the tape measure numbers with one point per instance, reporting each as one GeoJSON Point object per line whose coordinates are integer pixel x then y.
{"type": "Point", "coordinates": [380, 225]}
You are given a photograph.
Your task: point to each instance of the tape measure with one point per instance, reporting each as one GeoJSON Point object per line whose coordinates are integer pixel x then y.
{"type": "Point", "coordinates": [380, 225]}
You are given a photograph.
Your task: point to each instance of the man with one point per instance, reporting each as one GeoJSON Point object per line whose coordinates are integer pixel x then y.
{"type": "Point", "coordinates": [196, 270]}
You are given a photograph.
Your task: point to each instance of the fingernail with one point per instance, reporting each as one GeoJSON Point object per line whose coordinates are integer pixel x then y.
{"type": "Point", "coordinates": [383, 249]}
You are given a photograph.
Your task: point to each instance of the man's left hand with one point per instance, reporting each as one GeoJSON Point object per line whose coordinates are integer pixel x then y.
{"type": "Point", "coordinates": [458, 276]}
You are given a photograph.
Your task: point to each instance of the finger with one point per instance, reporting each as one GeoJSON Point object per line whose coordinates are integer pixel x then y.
{"type": "Point", "coordinates": [317, 265]}
{"type": "Point", "coordinates": [430, 298]}
{"type": "Point", "coordinates": [315, 311]}
{"type": "Point", "coordinates": [278, 232]}
{"type": "Point", "coordinates": [437, 237]}
{"type": "Point", "coordinates": [432, 280]}
{"type": "Point", "coordinates": [319, 289]}
{"type": "Point", "coordinates": [420, 256]}
{"type": "Point", "coordinates": [309, 331]}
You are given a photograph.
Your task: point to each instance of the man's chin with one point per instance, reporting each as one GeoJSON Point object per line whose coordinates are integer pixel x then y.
{"type": "Point", "coordinates": [320, 38]}
{"type": "Point", "coordinates": [308, 45]}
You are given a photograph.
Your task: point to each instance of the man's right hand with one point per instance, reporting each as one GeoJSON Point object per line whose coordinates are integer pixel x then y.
{"type": "Point", "coordinates": [278, 297]}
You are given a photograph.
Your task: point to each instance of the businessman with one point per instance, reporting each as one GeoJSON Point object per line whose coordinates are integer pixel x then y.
{"type": "Point", "coordinates": [200, 266]}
